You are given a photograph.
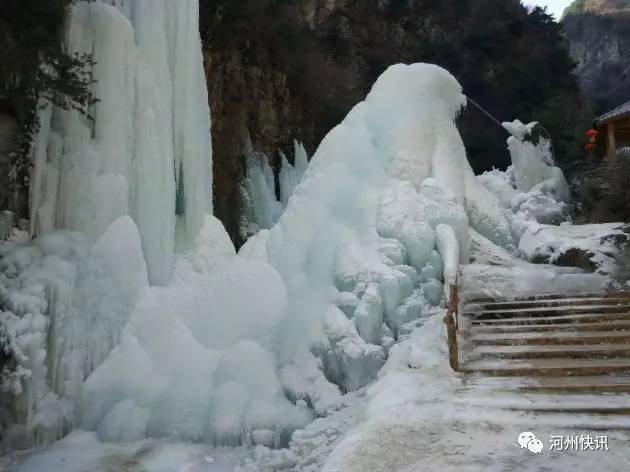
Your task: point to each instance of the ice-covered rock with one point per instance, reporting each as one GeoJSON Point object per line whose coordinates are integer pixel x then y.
{"type": "Point", "coordinates": [411, 309]}
{"type": "Point", "coordinates": [448, 246]}
{"type": "Point", "coordinates": [532, 160]}
{"type": "Point", "coordinates": [368, 317]}
{"type": "Point", "coordinates": [262, 208]}
{"type": "Point", "coordinates": [392, 251]}
{"type": "Point", "coordinates": [348, 360]}
{"type": "Point", "coordinates": [590, 247]}
{"type": "Point", "coordinates": [433, 291]}
{"type": "Point", "coordinates": [500, 184]}
{"type": "Point", "coordinates": [347, 302]}
{"type": "Point", "coordinates": [64, 306]}
{"type": "Point", "coordinates": [291, 174]}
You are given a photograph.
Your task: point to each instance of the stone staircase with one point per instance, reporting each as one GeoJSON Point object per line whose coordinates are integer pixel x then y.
{"type": "Point", "coordinates": [553, 354]}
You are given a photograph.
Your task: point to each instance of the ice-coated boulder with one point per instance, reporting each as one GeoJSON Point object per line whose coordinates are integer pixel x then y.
{"type": "Point", "coordinates": [368, 317]}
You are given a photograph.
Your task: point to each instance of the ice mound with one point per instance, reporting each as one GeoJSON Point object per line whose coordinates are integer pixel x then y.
{"type": "Point", "coordinates": [377, 224]}
{"type": "Point", "coordinates": [532, 160]}
{"type": "Point", "coordinates": [532, 190]}
{"type": "Point", "coordinates": [590, 247]}
{"type": "Point", "coordinates": [196, 358]}
{"type": "Point", "coordinates": [64, 306]}
{"type": "Point", "coordinates": [532, 187]}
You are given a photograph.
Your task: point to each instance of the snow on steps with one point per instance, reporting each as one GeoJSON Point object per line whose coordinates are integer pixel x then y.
{"type": "Point", "coordinates": [549, 310]}
{"type": "Point", "coordinates": [557, 403]}
{"type": "Point", "coordinates": [559, 337]}
{"type": "Point", "coordinates": [548, 302]}
{"type": "Point", "coordinates": [546, 320]}
{"type": "Point", "coordinates": [579, 384]}
{"type": "Point", "coordinates": [590, 325]}
{"type": "Point", "coordinates": [557, 366]}
{"type": "Point", "coordinates": [543, 352]}
{"type": "Point", "coordinates": [556, 355]}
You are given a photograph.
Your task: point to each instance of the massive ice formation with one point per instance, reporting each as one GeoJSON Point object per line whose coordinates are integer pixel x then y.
{"type": "Point", "coordinates": [535, 195]}
{"type": "Point", "coordinates": [147, 152]}
{"type": "Point", "coordinates": [121, 203]}
{"type": "Point", "coordinates": [112, 198]}
{"type": "Point", "coordinates": [532, 189]}
{"type": "Point", "coordinates": [358, 238]}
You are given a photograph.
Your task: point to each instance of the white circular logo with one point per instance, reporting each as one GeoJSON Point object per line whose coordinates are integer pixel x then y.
{"type": "Point", "coordinates": [527, 440]}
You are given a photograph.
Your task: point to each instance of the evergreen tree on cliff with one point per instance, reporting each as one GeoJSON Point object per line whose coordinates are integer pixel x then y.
{"type": "Point", "coordinates": [36, 66]}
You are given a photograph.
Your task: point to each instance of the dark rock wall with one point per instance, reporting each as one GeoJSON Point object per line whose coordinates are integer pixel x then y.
{"type": "Point", "coordinates": [599, 42]}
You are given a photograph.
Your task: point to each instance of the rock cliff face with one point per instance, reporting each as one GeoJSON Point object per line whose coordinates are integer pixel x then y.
{"type": "Point", "coordinates": [285, 69]}
{"type": "Point", "coordinates": [598, 35]}
{"type": "Point", "coordinates": [247, 99]}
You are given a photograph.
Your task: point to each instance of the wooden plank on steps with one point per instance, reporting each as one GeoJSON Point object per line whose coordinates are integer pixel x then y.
{"type": "Point", "coordinates": [603, 325]}
{"type": "Point", "coordinates": [548, 367]}
{"type": "Point", "coordinates": [544, 296]}
{"type": "Point", "coordinates": [546, 311]}
{"type": "Point", "coordinates": [565, 338]}
{"type": "Point", "coordinates": [592, 351]}
{"type": "Point", "coordinates": [526, 304]}
{"type": "Point", "coordinates": [602, 382]}
{"type": "Point", "coordinates": [529, 320]}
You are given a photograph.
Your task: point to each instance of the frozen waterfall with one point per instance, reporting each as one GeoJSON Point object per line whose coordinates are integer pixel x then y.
{"type": "Point", "coordinates": [147, 153]}
{"type": "Point", "coordinates": [262, 208]}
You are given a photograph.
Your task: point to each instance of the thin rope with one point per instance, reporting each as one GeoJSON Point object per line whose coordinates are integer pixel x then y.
{"type": "Point", "coordinates": [484, 111]}
{"type": "Point", "coordinates": [489, 115]}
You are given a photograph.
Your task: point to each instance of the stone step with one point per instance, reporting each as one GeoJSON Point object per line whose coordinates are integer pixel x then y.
{"type": "Point", "coordinates": [554, 422]}
{"type": "Point", "coordinates": [598, 384]}
{"type": "Point", "coordinates": [550, 338]}
{"type": "Point", "coordinates": [591, 351]}
{"type": "Point", "coordinates": [603, 325]}
{"type": "Point", "coordinates": [548, 367]}
{"type": "Point", "coordinates": [567, 403]}
{"type": "Point", "coordinates": [538, 320]}
{"type": "Point", "coordinates": [545, 311]}
{"type": "Point", "coordinates": [548, 296]}
{"type": "Point", "coordinates": [554, 302]}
